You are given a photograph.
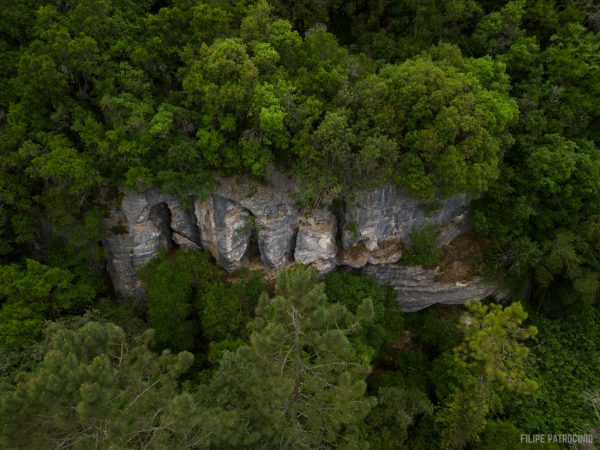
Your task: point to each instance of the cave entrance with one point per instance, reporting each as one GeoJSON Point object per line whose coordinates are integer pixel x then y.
{"type": "Point", "coordinates": [253, 251]}
{"type": "Point", "coordinates": [160, 216]}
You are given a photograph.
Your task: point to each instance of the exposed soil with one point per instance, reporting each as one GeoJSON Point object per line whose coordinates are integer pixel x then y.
{"type": "Point", "coordinates": [461, 257]}
{"type": "Point", "coordinates": [359, 254]}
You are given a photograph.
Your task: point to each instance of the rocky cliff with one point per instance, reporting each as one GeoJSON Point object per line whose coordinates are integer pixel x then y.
{"type": "Point", "coordinates": [243, 217]}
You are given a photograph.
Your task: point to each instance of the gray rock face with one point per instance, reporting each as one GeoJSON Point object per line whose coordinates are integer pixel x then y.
{"type": "Point", "coordinates": [241, 211]}
{"type": "Point", "coordinates": [183, 225]}
{"type": "Point", "coordinates": [225, 230]}
{"type": "Point", "coordinates": [145, 224]}
{"type": "Point", "coordinates": [275, 214]}
{"type": "Point", "coordinates": [380, 217]}
{"type": "Point", "coordinates": [418, 288]}
{"type": "Point", "coordinates": [118, 244]}
{"type": "Point", "coordinates": [315, 243]}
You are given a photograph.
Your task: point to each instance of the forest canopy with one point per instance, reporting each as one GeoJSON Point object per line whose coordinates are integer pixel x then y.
{"type": "Point", "coordinates": [493, 98]}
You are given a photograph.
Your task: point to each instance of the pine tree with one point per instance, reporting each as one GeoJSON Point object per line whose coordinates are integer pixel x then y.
{"type": "Point", "coordinates": [93, 389]}
{"type": "Point", "coordinates": [299, 383]}
{"type": "Point", "coordinates": [487, 363]}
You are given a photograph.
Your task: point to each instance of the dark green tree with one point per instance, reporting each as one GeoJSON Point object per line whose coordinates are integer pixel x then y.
{"type": "Point", "coordinates": [190, 305]}
{"type": "Point", "coordinates": [32, 294]}
{"type": "Point", "coordinates": [299, 382]}
{"type": "Point", "coordinates": [93, 389]}
{"type": "Point", "coordinates": [397, 409]}
{"type": "Point", "coordinates": [351, 290]}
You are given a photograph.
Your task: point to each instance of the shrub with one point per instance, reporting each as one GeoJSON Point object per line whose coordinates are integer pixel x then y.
{"type": "Point", "coordinates": [188, 300]}
{"type": "Point", "coordinates": [423, 249]}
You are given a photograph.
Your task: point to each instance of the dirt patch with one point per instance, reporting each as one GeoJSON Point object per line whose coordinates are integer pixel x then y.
{"type": "Point", "coordinates": [462, 257]}
{"type": "Point", "coordinates": [405, 343]}
{"type": "Point", "coordinates": [388, 251]}
{"type": "Point", "coordinates": [356, 252]}
{"type": "Point", "coordinates": [254, 264]}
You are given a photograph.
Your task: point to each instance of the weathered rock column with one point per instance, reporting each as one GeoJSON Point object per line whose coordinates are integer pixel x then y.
{"type": "Point", "coordinates": [275, 216]}
{"type": "Point", "coordinates": [225, 230]}
{"type": "Point", "coordinates": [315, 243]}
{"type": "Point", "coordinates": [145, 224]}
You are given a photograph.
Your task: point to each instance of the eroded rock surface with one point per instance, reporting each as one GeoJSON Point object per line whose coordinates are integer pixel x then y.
{"type": "Point", "coordinates": [381, 217]}
{"type": "Point", "coordinates": [242, 214]}
{"type": "Point", "coordinates": [275, 216]}
{"type": "Point", "coordinates": [225, 230]}
{"type": "Point", "coordinates": [418, 287]}
{"type": "Point", "coordinates": [145, 224]}
{"type": "Point", "coordinates": [315, 243]}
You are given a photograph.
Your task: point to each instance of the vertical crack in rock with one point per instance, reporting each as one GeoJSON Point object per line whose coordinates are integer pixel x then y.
{"type": "Point", "coordinates": [184, 225]}
{"type": "Point", "coordinates": [160, 216]}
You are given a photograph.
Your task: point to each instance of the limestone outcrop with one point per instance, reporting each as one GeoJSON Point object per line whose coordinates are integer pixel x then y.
{"type": "Point", "coordinates": [144, 225]}
{"type": "Point", "coordinates": [242, 216]}
{"type": "Point", "coordinates": [274, 216]}
{"type": "Point", "coordinates": [315, 243]}
{"type": "Point", "coordinates": [225, 230]}
{"type": "Point", "coordinates": [418, 288]}
{"type": "Point", "coordinates": [381, 217]}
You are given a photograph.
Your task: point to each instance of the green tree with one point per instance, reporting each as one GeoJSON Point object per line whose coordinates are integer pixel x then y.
{"type": "Point", "coordinates": [423, 247]}
{"type": "Point", "coordinates": [299, 381]}
{"type": "Point", "coordinates": [488, 362]}
{"type": "Point", "coordinates": [573, 91]}
{"type": "Point", "coordinates": [565, 365]}
{"type": "Point", "coordinates": [221, 312]}
{"type": "Point", "coordinates": [452, 125]}
{"type": "Point", "coordinates": [397, 409]}
{"type": "Point", "coordinates": [35, 293]}
{"type": "Point", "coordinates": [387, 30]}
{"type": "Point", "coordinates": [190, 305]}
{"type": "Point", "coordinates": [499, 30]}
{"type": "Point", "coordinates": [388, 322]}
{"type": "Point", "coordinates": [550, 199]}
{"type": "Point", "coordinates": [93, 389]}
{"type": "Point", "coordinates": [170, 312]}
{"type": "Point", "coordinates": [547, 182]}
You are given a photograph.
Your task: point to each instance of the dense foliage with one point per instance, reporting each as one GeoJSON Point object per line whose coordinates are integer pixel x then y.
{"type": "Point", "coordinates": [92, 389]}
{"type": "Point", "coordinates": [497, 98]}
{"type": "Point", "coordinates": [387, 324]}
{"type": "Point", "coordinates": [488, 361]}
